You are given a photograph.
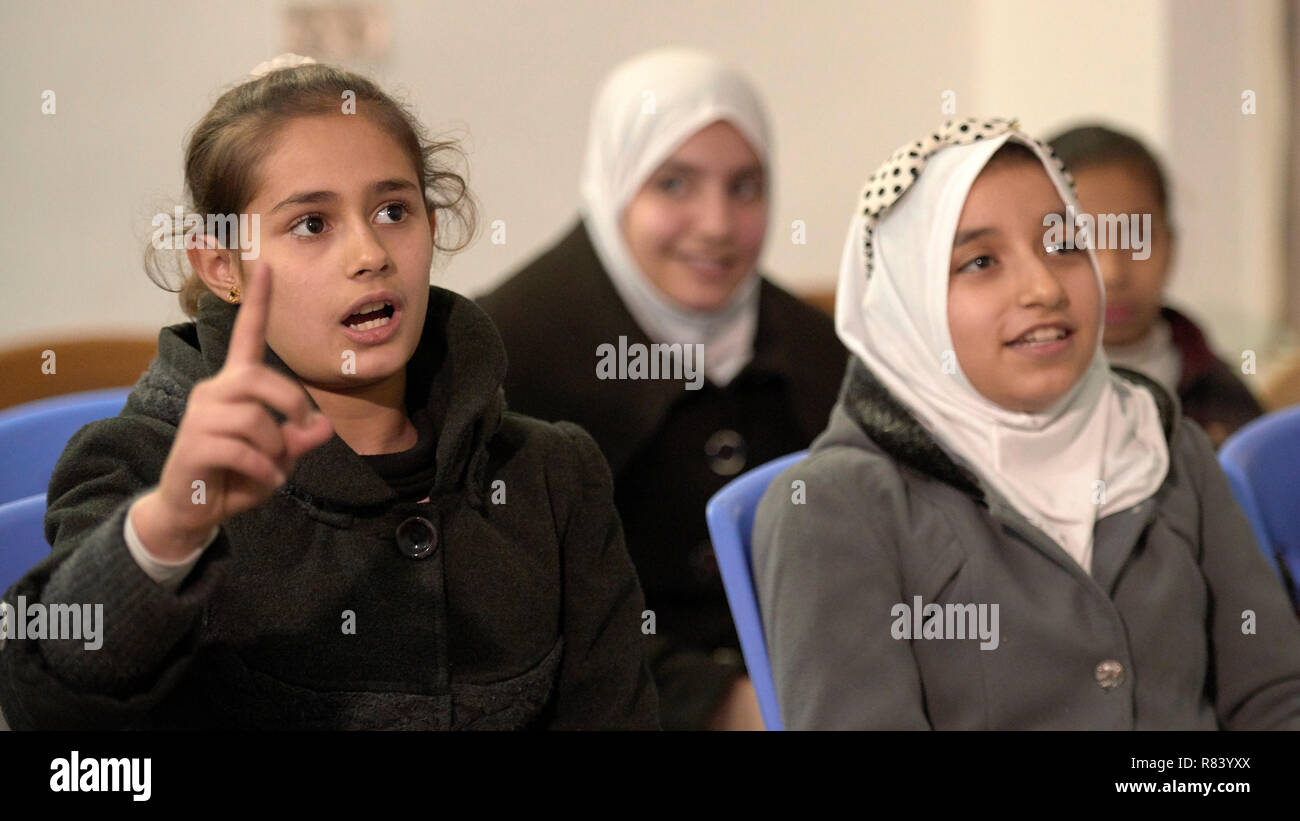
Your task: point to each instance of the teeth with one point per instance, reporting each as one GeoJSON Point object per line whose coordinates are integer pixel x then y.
{"type": "Point", "coordinates": [374, 323]}
{"type": "Point", "coordinates": [370, 306]}
{"type": "Point", "coordinates": [1043, 335]}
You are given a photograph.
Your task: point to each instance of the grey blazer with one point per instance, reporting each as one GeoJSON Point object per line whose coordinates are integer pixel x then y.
{"type": "Point", "coordinates": [1182, 623]}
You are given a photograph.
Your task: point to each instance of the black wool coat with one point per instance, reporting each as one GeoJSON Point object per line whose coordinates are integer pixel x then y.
{"type": "Point", "coordinates": [527, 612]}
{"type": "Point", "coordinates": [670, 448]}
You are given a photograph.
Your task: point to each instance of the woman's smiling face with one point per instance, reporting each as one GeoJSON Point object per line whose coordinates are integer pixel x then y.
{"type": "Point", "coordinates": [695, 229]}
{"type": "Point", "coordinates": [343, 227]}
{"type": "Point", "coordinates": [1024, 317]}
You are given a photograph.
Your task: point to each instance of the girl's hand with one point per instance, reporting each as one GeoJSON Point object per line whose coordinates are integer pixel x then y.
{"type": "Point", "coordinates": [739, 710]}
{"type": "Point", "coordinates": [229, 441]}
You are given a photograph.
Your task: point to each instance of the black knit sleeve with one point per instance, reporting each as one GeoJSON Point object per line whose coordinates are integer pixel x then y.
{"type": "Point", "coordinates": [145, 632]}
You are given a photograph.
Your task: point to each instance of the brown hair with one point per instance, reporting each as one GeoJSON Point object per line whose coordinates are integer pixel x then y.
{"type": "Point", "coordinates": [1013, 152]}
{"type": "Point", "coordinates": [1094, 145]}
{"type": "Point", "coordinates": [226, 148]}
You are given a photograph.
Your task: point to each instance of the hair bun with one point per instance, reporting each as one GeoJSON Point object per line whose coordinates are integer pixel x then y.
{"type": "Point", "coordinates": [288, 60]}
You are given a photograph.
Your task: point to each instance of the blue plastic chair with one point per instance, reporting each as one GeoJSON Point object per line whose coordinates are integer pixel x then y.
{"type": "Point", "coordinates": [730, 515]}
{"type": "Point", "coordinates": [22, 538]}
{"type": "Point", "coordinates": [1262, 461]}
{"type": "Point", "coordinates": [32, 436]}
{"type": "Point", "coordinates": [22, 543]}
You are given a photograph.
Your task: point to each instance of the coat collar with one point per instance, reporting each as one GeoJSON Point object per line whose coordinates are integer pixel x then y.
{"type": "Point", "coordinates": [900, 435]}
{"type": "Point", "coordinates": [783, 349]}
{"type": "Point", "coordinates": [1197, 358]}
{"type": "Point", "coordinates": [894, 430]}
{"type": "Point", "coordinates": [456, 371]}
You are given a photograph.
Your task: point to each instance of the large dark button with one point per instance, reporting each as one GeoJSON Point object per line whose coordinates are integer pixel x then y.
{"type": "Point", "coordinates": [417, 537]}
{"type": "Point", "coordinates": [726, 452]}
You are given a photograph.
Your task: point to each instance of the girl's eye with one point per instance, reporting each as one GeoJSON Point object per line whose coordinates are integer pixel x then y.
{"type": "Point", "coordinates": [674, 186]}
{"type": "Point", "coordinates": [313, 223]}
{"type": "Point", "coordinates": [979, 263]}
{"type": "Point", "coordinates": [748, 189]}
{"type": "Point", "coordinates": [1057, 248]}
{"type": "Point", "coordinates": [395, 211]}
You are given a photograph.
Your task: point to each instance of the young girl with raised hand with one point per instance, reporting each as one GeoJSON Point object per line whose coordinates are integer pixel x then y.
{"type": "Point", "coordinates": [314, 511]}
{"type": "Point", "coordinates": [996, 530]}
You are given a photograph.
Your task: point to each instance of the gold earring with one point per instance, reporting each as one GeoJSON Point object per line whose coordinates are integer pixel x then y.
{"type": "Point", "coordinates": [233, 293]}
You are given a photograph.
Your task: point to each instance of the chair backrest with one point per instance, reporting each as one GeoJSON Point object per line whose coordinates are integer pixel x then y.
{"type": "Point", "coordinates": [58, 366]}
{"type": "Point", "coordinates": [32, 436]}
{"type": "Point", "coordinates": [22, 538]}
{"type": "Point", "coordinates": [730, 515]}
{"type": "Point", "coordinates": [1262, 462]}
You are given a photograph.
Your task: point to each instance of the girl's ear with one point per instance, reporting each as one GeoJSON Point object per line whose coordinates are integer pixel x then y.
{"type": "Point", "coordinates": [214, 268]}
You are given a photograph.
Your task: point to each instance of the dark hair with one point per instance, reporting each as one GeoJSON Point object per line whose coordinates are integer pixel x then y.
{"type": "Point", "coordinates": [1093, 145]}
{"type": "Point", "coordinates": [225, 150]}
{"type": "Point", "coordinates": [1013, 152]}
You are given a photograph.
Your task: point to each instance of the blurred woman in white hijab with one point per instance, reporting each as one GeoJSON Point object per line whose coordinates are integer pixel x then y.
{"type": "Point", "coordinates": [676, 195]}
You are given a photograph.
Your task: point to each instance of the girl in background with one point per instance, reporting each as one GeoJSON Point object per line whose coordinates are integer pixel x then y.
{"type": "Point", "coordinates": [676, 196]}
{"type": "Point", "coordinates": [999, 531]}
{"type": "Point", "coordinates": [313, 511]}
{"type": "Point", "coordinates": [1116, 174]}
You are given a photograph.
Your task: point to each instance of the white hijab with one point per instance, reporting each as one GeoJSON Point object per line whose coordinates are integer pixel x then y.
{"type": "Point", "coordinates": [893, 315]}
{"type": "Point", "coordinates": [645, 110]}
{"type": "Point", "coordinates": [1155, 355]}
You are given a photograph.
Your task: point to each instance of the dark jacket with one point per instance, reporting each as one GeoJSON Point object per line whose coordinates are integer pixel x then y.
{"type": "Point", "coordinates": [1181, 624]}
{"type": "Point", "coordinates": [1211, 392]}
{"type": "Point", "coordinates": [670, 448]}
{"type": "Point", "coordinates": [526, 614]}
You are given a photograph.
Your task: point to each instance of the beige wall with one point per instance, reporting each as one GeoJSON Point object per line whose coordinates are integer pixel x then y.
{"type": "Point", "coordinates": [1230, 167]}
{"type": "Point", "coordinates": [845, 82]}
{"type": "Point", "coordinates": [1172, 73]}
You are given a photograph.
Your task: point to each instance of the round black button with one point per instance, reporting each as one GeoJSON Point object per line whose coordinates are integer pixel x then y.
{"type": "Point", "coordinates": [417, 537]}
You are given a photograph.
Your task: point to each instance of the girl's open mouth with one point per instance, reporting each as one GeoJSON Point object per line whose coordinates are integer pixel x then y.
{"type": "Point", "coordinates": [1043, 341]}
{"type": "Point", "coordinates": [1118, 314]}
{"type": "Point", "coordinates": [372, 323]}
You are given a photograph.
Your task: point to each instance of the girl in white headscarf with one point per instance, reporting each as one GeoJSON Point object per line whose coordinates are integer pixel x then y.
{"type": "Point", "coordinates": [1001, 531]}
{"type": "Point", "coordinates": [894, 315]}
{"type": "Point", "coordinates": [675, 201]}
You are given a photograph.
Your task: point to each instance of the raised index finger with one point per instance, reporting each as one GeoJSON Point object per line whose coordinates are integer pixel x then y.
{"type": "Point", "coordinates": [248, 338]}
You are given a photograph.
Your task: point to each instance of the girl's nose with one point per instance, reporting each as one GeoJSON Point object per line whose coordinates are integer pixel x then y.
{"type": "Point", "coordinates": [366, 254]}
{"type": "Point", "coordinates": [1114, 272]}
{"type": "Point", "coordinates": [1041, 287]}
{"type": "Point", "coordinates": [713, 213]}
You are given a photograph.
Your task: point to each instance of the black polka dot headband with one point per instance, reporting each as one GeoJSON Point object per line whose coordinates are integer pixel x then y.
{"type": "Point", "coordinates": [892, 179]}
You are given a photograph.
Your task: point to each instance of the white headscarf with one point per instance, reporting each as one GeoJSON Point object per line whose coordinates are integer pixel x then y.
{"type": "Point", "coordinates": [645, 110]}
{"type": "Point", "coordinates": [893, 315]}
{"type": "Point", "coordinates": [1155, 355]}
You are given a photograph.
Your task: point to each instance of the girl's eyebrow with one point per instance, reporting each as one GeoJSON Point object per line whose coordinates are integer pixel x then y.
{"type": "Point", "coordinates": [972, 234]}
{"type": "Point", "coordinates": [688, 170]}
{"type": "Point", "coordinates": [678, 167]}
{"type": "Point", "coordinates": [311, 197]}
